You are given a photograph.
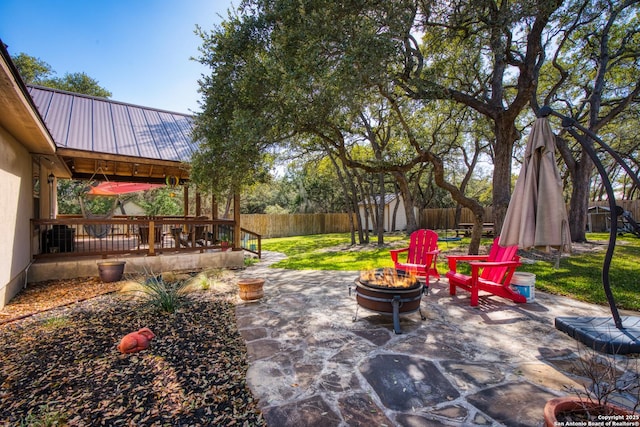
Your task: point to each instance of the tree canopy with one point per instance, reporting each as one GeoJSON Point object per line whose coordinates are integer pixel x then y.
{"type": "Point", "coordinates": [36, 71]}
{"type": "Point", "coordinates": [405, 89]}
{"type": "Point", "coordinates": [593, 76]}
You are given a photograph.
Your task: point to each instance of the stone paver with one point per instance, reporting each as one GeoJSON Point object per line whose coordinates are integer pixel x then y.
{"type": "Point", "coordinates": [310, 364]}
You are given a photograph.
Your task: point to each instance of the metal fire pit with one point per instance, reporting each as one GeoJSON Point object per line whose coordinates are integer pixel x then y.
{"type": "Point", "coordinates": [391, 292]}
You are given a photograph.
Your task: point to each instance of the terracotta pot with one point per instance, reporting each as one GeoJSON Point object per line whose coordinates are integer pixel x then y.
{"type": "Point", "coordinates": [111, 271]}
{"type": "Point", "coordinates": [574, 404]}
{"type": "Point", "coordinates": [250, 289]}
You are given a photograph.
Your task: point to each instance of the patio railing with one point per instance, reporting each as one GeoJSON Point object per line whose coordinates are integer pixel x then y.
{"type": "Point", "coordinates": [76, 236]}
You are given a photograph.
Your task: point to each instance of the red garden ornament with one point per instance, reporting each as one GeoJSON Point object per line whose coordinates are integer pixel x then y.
{"type": "Point", "coordinates": [136, 341]}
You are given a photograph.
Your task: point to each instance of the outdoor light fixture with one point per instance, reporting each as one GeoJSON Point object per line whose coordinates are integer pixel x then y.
{"type": "Point", "coordinates": [50, 180]}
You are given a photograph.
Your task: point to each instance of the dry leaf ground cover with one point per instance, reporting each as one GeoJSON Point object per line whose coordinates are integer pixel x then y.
{"type": "Point", "coordinates": [61, 366]}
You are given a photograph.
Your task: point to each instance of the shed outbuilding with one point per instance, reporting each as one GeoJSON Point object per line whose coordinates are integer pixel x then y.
{"type": "Point", "coordinates": [395, 215]}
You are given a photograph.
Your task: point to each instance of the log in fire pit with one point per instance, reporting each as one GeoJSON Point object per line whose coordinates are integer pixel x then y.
{"type": "Point", "coordinates": [389, 291]}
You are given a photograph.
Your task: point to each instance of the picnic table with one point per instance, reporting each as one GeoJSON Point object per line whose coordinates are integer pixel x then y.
{"type": "Point", "coordinates": [465, 228]}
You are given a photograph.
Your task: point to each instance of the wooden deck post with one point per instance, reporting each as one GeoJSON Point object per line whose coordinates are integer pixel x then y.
{"type": "Point", "coordinates": [152, 238]}
{"type": "Point", "coordinates": [236, 221]}
{"type": "Point", "coordinates": [185, 190]}
{"type": "Point", "coordinates": [214, 216]}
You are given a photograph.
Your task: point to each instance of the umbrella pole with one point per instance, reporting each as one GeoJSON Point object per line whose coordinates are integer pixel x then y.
{"type": "Point", "coordinates": [614, 225]}
{"type": "Point", "coordinates": [569, 124]}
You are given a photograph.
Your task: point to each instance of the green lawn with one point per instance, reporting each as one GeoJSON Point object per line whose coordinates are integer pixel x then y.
{"type": "Point", "coordinates": [579, 275]}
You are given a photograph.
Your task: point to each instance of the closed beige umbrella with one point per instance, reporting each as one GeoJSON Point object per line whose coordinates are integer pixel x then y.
{"type": "Point", "coordinates": [537, 215]}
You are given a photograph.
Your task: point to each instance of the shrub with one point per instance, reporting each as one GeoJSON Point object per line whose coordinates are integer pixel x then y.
{"type": "Point", "coordinates": [165, 296]}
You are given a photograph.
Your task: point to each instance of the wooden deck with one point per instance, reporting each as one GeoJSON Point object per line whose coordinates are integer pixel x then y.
{"type": "Point", "coordinates": [59, 239]}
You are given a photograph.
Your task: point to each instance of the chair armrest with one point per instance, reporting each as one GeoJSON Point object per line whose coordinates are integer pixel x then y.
{"type": "Point", "coordinates": [435, 254]}
{"type": "Point", "coordinates": [477, 266]}
{"type": "Point", "coordinates": [496, 264]}
{"type": "Point", "coordinates": [415, 266]}
{"type": "Point", "coordinates": [468, 257]}
{"type": "Point", "coordinates": [395, 252]}
{"type": "Point", "coordinates": [453, 259]}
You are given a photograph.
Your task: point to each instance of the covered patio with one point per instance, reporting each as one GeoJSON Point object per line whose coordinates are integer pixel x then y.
{"type": "Point", "coordinates": [99, 139]}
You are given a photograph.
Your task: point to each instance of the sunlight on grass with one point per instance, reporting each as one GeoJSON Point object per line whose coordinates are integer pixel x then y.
{"type": "Point", "coordinates": [579, 275]}
{"type": "Point", "coordinates": [304, 244]}
{"type": "Point", "coordinates": [330, 252]}
{"type": "Point", "coordinates": [342, 261]}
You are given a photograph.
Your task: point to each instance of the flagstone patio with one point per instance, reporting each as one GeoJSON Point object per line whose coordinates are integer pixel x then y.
{"type": "Point", "coordinates": [312, 365]}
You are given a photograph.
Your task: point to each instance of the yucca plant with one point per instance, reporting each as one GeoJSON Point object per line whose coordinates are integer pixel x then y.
{"type": "Point", "coordinates": [166, 296]}
{"type": "Point", "coordinates": [168, 291]}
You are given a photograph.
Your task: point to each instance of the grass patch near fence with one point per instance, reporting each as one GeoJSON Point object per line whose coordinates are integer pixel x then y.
{"type": "Point", "coordinates": [331, 252]}
{"type": "Point", "coordinates": [579, 275]}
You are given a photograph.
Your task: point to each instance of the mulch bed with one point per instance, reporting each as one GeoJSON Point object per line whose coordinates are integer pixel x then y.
{"type": "Point", "coordinates": [60, 366]}
{"type": "Point", "coordinates": [43, 296]}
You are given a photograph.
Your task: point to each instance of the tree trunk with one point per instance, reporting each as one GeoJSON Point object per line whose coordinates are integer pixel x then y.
{"type": "Point", "coordinates": [506, 135]}
{"type": "Point", "coordinates": [394, 216]}
{"type": "Point", "coordinates": [403, 185]}
{"type": "Point", "coordinates": [579, 205]}
{"type": "Point", "coordinates": [350, 194]}
{"type": "Point", "coordinates": [227, 207]}
{"type": "Point", "coordinates": [460, 198]}
{"type": "Point", "coordinates": [366, 207]}
{"type": "Point", "coordinates": [381, 208]}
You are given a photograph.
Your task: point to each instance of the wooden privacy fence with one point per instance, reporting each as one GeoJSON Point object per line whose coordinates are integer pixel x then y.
{"type": "Point", "coordinates": [632, 206]}
{"type": "Point", "coordinates": [444, 218]}
{"type": "Point", "coordinates": [283, 225]}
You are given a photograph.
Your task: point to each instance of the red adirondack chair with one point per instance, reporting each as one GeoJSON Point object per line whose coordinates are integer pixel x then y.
{"type": "Point", "coordinates": [490, 273]}
{"type": "Point", "coordinates": [422, 254]}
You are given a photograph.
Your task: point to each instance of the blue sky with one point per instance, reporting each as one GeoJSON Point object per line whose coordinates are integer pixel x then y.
{"type": "Point", "coordinates": [139, 50]}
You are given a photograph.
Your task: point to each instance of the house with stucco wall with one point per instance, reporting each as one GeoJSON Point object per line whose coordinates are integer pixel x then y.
{"type": "Point", "coordinates": [27, 160]}
{"type": "Point", "coordinates": [47, 134]}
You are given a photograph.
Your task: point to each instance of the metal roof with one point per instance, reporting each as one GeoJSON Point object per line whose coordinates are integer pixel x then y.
{"type": "Point", "coordinates": [98, 137]}
{"type": "Point", "coordinates": [93, 124]}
